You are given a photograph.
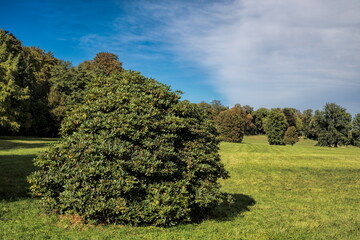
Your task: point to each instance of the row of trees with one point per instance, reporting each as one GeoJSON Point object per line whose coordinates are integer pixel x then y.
{"type": "Point", "coordinates": [332, 126]}
{"type": "Point", "coordinates": [37, 89]}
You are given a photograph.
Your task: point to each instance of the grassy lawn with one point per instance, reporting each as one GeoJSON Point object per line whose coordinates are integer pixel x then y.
{"type": "Point", "coordinates": [281, 192]}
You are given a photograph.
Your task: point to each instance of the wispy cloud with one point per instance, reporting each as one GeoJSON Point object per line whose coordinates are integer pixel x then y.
{"type": "Point", "coordinates": [272, 52]}
{"type": "Point", "coordinates": [263, 53]}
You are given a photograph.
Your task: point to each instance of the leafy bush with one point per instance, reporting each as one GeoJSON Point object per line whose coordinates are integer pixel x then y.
{"type": "Point", "coordinates": [133, 153]}
{"type": "Point", "coordinates": [291, 136]}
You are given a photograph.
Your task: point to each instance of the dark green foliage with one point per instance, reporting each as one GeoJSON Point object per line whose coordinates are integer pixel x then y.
{"type": "Point", "coordinates": [332, 125]}
{"type": "Point", "coordinates": [231, 124]}
{"type": "Point", "coordinates": [24, 88]}
{"type": "Point", "coordinates": [258, 117]}
{"type": "Point", "coordinates": [291, 136]}
{"type": "Point", "coordinates": [207, 108]}
{"type": "Point", "coordinates": [275, 126]}
{"type": "Point", "coordinates": [67, 88]}
{"type": "Point", "coordinates": [39, 72]}
{"type": "Point", "coordinates": [290, 115]}
{"type": "Point", "coordinates": [355, 131]}
{"type": "Point", "coordinates": [132, 153]}
{"type": "Point", "coordinates": [13, 88]}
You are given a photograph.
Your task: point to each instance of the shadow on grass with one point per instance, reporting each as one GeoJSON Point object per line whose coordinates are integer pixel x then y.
{"type": "Point", "coordinates": [14, 170]}
{"type": "Point", "coordinates": [7, 144]}
{"type": "Point", "coordinates": [228, 211]}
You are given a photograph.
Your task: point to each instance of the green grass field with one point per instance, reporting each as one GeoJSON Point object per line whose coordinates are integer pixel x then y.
{"type": "Point", "coordinates": [281, 192]}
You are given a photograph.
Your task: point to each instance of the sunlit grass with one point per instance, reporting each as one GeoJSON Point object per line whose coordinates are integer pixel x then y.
{"type": "Point", "coordinates": [291, 192]}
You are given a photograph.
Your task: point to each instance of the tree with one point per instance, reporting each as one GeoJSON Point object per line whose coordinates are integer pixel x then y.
{"type": "Point", "coordinates": [231, 124]}
{"type": "Point", "coordinates": [249, 120]}
{"type": "Point", "coordinates": [258, 117]}
{"type": "Point", "coordinates": [13, 90]}
{"type": "Point", "coordinates": [207, 108]}
{"type": "Point", "coordinates": [291, 136]}
{"type": "Point", "coordinates": [333, 125]}
{"type": "Point", "coordinates": [132, 152]}
{"type": "Point", "coordinates": [249, 125]}
{"type": "Point", "coordinates": [68, 84]}
{"type": "Point", "coordinates": [40, 65]}
{"type": "Point", "coordinates": [290, 115]}
{"type": "Point", "coordinates": [308, 129]}
{"type": "Point", "coordinates": [355, 131]}
{"type": "Point", "coordinates": [217, 107]}
{"type": "Point", "coordinates": [248, 109]}
{"type": "Point", "coordinates": [103, 64]}
{"type": "Point", "coordinates": [275, 127]}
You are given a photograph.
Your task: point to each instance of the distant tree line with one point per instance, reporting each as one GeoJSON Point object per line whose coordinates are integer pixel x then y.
{"type": "Point", "coordinates": [332, 126]}
{"type": "Point", "coordinates": [37, 90]}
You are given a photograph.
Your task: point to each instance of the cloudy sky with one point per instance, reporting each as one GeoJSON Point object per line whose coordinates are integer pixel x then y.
{"type": "Point", "coordinates": [262, 53]}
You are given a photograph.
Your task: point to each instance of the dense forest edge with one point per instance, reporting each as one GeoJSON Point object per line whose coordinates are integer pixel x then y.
{"type": "Point", "coordinates": [37, 91]}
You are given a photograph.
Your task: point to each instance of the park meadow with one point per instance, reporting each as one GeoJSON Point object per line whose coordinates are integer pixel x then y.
{"type": "Point", "coordinates": [280, 192]}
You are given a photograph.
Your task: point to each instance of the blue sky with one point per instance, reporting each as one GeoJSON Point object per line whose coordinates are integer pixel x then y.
{"type": "Point", "coordinates": [262, 53]}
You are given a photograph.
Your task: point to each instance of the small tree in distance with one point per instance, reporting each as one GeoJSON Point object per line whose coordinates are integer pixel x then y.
{"type": "Point", "coordinates": [275, 127]}
{"type": "Point", "coordinates": [332, 125]}
{"type": "Point", "coordinates": [291, 136]}
{"type": "Point", "coordinates": [231, 124]}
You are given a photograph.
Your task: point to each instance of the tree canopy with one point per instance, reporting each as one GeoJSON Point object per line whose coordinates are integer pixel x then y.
{"type": "Point", "coordinates": [333, 124]}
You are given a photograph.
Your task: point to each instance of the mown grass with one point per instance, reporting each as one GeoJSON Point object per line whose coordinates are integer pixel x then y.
{"type": "Point", "coordinates": [281, 192]}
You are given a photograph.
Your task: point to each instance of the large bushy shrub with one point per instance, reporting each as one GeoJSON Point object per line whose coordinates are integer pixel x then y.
{"type": "Point", "coordinates": [132, 153]}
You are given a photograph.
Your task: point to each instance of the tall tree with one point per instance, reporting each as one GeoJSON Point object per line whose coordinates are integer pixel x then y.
{"type": "Point", "coordinates": [333, 124]}
{"type": "Point", "coordinates": [40, 65]}
{"type": "Point", "coordinates": [13, 90]}
{"type": "Point", "coordinates": [275, 127]}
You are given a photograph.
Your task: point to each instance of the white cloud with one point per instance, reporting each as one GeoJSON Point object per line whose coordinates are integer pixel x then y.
{"type": "Point", "coordinates": [270, 52]}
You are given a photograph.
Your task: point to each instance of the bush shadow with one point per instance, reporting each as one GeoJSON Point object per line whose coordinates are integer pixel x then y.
{"type": "Point", "coordinates": [228, 210]}
{"type": "Point", "coordinates": [14, 170]}
{"type": "Point", "coordinates": [7, 144]}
